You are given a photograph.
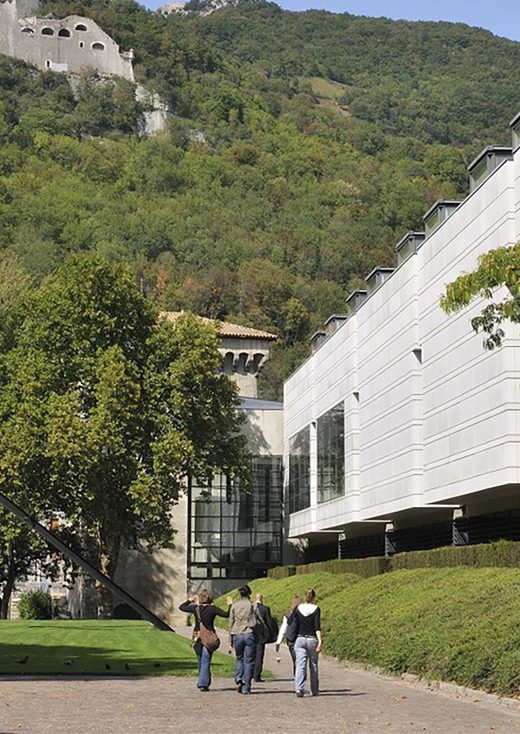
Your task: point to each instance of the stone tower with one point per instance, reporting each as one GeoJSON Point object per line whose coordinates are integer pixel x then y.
{"type": "Point", "coordinates": [244, 350]}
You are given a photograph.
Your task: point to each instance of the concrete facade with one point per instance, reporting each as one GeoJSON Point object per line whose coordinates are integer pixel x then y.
{"type": "Point", "coordinates": [431, 418]}
{"type": "Point", "coordinates": [68, 45]}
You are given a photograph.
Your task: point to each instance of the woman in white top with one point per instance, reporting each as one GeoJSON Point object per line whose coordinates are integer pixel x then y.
{"type": "Point", "coordinates": [288, 632]}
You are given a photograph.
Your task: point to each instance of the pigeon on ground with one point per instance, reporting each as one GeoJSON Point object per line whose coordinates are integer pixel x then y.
{"type": "Point", "coordinates": [23, 660]}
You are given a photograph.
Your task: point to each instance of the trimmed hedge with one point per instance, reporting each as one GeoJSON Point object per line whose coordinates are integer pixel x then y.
{"type": "Point", "coordinates": [281, 572]}
{"type": "Point", "coordinates": [500, 554]}
{"type": "Point", "coordinates": [364, 567]}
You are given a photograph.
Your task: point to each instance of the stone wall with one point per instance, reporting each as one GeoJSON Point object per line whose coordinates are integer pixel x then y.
{"type": "Point", "coordinates": [69, 45]}
{"type": "Point", "coordinates": [159, 579]}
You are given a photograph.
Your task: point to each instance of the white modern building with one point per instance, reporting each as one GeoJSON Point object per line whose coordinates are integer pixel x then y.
{"type": "Point", "coordinates": [400, 431]}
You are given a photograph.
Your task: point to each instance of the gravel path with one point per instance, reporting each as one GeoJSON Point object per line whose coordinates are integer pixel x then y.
{"type": "Point", "coordinates": [351, 700]}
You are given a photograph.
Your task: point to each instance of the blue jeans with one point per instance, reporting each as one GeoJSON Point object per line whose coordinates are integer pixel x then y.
{"type": "Point", "coordinates": [305, 650]}
{"type": "Point", "coordinates": [204, 680]}
{"type": "Point", "coordinates": [245, 647]}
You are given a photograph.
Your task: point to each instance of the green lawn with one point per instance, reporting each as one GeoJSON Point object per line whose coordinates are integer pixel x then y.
{"type": "Point", "coordinates": [97, 647]}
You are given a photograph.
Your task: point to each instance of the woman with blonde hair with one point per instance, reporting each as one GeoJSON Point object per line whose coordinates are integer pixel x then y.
{"type": "Point", "coordinates": [306, 618]}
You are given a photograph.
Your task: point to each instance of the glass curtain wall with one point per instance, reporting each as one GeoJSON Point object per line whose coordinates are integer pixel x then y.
{"type": "Point", "coordinates": [331, 454]}
{"type": "Point", "coordinates": [299, 485]}
{"type": "Point", "coordinates": [234, 532]}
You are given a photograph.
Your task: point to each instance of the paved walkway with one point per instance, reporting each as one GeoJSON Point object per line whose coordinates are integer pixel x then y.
{"type": "Point", "coordinates": [351, 701]}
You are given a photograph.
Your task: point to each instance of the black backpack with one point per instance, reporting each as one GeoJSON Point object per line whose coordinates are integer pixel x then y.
{"type": "Point", "coordinates": [291, 633]}
{"type": "Point", "coordinates": [272, 625]}
{"type": "Point", "coordinates": [266, 629]}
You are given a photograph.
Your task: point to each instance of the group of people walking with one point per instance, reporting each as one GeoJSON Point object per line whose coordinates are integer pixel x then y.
{"type": "Point", "coordinates": [251, 627]}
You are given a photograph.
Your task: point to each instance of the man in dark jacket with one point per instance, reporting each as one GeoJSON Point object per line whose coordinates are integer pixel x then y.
{"type": "Point", "coordinates": [262, 631]}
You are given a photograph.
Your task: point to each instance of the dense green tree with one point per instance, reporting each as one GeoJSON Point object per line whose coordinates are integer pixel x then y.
{"type": "Point", "coordinates": [301, 147]}
{"type": "Point", "coordinates": [104, 412]}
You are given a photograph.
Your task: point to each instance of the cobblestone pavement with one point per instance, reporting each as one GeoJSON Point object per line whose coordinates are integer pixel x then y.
{"type": "Point", "coordinates": [351, 700]}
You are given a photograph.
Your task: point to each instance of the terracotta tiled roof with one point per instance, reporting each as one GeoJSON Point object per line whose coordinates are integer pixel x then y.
{"type": "Point", "coordinates": [225, 329]}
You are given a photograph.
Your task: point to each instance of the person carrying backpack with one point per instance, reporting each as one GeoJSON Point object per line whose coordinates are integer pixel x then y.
{"type": "Point", "coordinates": [266, 631]}
{"type": "Point", "coordinates": [289, 632]}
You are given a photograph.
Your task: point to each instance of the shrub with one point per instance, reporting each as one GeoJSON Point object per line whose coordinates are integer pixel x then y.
{"type": "Point", "coordinates": [364, 567]}
{"type": "Point", "coordinates": [35, 605]}
{"type": "Point", "coordinates": [281, 572]}
{"type": "Point", "coordinates": [500, 554]}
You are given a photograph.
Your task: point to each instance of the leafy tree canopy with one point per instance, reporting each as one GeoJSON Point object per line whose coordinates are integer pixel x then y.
{"type": "Point", "coordinates": [301, 147]}
{"type": "Point", "coordinates": [104, 412]}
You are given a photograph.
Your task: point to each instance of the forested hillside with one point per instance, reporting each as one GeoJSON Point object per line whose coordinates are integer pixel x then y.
{"type": "Point", "coordinates": [302, 146]}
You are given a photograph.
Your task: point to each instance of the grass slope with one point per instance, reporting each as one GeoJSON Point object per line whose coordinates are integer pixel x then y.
{"type": "Point", "coordinates": [454, 624]}
{"type": "Point", "coordinates": [86, 647]}
{"type": "Point", "coordinates": [278, 593]}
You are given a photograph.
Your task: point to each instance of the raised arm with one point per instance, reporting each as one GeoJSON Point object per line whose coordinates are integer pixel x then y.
{"type": "Point", "coordinates": [188, 607]}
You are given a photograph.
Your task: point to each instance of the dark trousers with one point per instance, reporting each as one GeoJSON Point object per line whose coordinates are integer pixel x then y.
{"type": "Point", "coordinates": [290, 645]}
{"type": "Point", "coordinates": [259, 660]}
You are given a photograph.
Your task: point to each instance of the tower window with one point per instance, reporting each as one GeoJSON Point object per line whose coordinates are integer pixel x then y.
{"type": "Point", "coordinates": [47, 31]}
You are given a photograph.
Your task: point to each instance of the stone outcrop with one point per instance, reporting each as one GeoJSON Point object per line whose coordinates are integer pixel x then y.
{"type": "Point", "coordinates": [200, 7]}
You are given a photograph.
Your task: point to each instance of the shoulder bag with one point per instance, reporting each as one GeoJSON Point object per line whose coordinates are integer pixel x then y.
{"type": "Point", "coordinates": [209, 639]}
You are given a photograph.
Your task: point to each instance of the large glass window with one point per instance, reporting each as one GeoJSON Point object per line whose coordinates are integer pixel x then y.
{"type": "Point", "coordinates": [331, 454]}
{"type": "Point", "coordinates": [299, 488]}
{"type": "Point", "coordinates": [234, 532]}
